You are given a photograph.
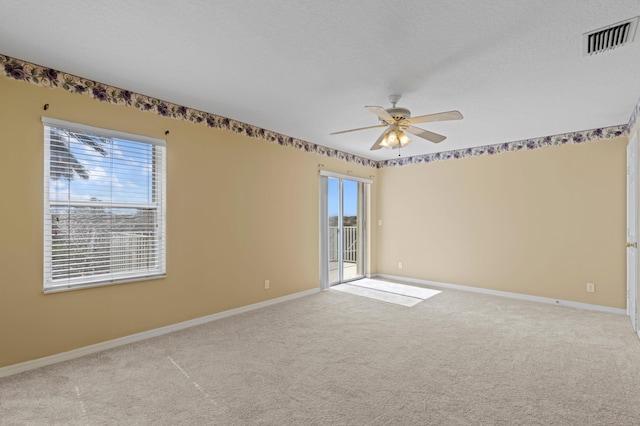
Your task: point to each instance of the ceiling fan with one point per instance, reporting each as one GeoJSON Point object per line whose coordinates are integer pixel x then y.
{"type": "Point", "coordinates": [398, 123]}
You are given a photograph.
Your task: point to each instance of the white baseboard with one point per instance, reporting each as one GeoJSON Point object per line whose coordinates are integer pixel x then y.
{"type": "Point", "coordinates": [110, 344]}
{"type": "Point", "coordinates": [506, 294]}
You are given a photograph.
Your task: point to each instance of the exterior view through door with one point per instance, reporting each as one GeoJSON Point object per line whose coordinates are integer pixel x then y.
{"type": "Point", "coordinates": [343, 228]}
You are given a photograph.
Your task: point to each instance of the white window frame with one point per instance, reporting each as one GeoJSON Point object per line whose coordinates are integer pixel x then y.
{"type": "Point", "coordinates": [158, 205]}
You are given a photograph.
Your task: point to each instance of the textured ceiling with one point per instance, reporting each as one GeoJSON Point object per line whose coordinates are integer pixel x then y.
{"type": "Point", "coordinates": [304, 68]}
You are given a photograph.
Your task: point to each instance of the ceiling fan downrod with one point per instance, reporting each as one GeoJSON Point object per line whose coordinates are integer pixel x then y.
{"type": "Point", "coordinates": [394, 99]}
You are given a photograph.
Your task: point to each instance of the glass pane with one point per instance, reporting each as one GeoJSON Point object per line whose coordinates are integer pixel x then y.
{"type": "Point", "coordinates": [87, 168]}
{"type": "Point", "coordinates": [351, 266]}
{"type": "Point", "coordinates": [97, 241]}
{"type": "Point", "coordinates": [333, 205]}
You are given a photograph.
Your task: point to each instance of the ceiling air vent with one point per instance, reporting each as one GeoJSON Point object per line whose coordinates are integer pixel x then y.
{"type": "Point", "coordinates": [609, 37]}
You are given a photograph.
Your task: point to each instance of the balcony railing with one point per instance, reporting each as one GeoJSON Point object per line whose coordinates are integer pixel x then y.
{"type": "Point", "coordinates": [88, 255]}
{"type": "Point", "coordinates": [349, 244]}
{"type": "Point", "coordinates": [131, 251]}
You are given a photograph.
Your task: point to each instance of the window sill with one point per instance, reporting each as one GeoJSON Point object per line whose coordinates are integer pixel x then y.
{"type": "Point", "coordinates": [72, 287]}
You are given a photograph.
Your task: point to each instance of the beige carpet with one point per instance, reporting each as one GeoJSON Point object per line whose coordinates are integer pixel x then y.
{"type": "Point", "coordinates": [341, 359]}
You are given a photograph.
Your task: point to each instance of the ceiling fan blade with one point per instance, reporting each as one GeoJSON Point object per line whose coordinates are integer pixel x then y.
{"type": "Point", "coordinates": [441, 116]}
{"type": "Point", "coordinates": [361, 128]}
{"type": "Point", "coordinates": [377, 145]}
{"type": "Point", "coordinates": [381, 113]}
{"type": "Point", "coordinates": [425, 134]}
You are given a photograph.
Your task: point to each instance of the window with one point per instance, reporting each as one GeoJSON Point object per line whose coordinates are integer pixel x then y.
{"type": "Point", "coordinates": [104, 214]}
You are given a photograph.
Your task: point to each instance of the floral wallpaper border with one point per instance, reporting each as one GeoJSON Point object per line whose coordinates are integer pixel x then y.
{"type": "Point", "coordinates": [634, 116]}
{"type": "Point", "coordinates": [528, 144]}
{"type": "Point", "coordinates": [48, 77]}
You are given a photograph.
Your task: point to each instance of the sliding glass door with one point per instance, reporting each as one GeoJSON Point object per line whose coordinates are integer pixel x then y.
{"type": "Point", "coordinates": [344, 229]}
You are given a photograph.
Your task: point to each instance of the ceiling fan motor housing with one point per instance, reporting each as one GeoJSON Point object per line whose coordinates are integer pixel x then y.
{"type": "Point", "coordinates": [399, 113]}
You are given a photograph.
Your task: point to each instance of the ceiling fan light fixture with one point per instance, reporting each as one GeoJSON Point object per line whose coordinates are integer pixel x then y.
{"type": "Point", "coordinates": [403, 138]}
{"type": "Point", "coordinates": [392, 138]}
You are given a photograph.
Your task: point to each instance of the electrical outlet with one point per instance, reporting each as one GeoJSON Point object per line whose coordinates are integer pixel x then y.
{"type": "Point", "coordinates": [266, 284]}
{"type": "Point", "coordinates": [591, 287]}
{"type": "Point", "coordinates": [399, 265]}
{"type": "Point", "coordinates": [379, 222]}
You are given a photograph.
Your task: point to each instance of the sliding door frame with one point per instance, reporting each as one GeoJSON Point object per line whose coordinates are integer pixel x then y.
{"type": "Point", "coordinates": [324, 224]}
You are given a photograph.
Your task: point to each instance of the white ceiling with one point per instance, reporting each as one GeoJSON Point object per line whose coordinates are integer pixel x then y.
{"type": "Point", "coordinates": [306, 68]}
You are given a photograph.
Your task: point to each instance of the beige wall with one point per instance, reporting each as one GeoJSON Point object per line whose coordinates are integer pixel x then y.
{"type": "Point", "coordinates": [242, 210]}
{"type": "Point", "coordinates": [239, 211]}
{"type": "Point", "coordinates": [542, 222]}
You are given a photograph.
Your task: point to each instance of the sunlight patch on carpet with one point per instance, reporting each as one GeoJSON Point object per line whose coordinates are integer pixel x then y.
{"type": "Point", "coordinates": [403, 289]}
{"type": "Point", "coordinates": [398, 294]}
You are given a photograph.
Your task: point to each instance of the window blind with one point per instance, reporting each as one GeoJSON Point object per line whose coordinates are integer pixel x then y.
{"type": "Point", "coordinates": [104, 219]}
